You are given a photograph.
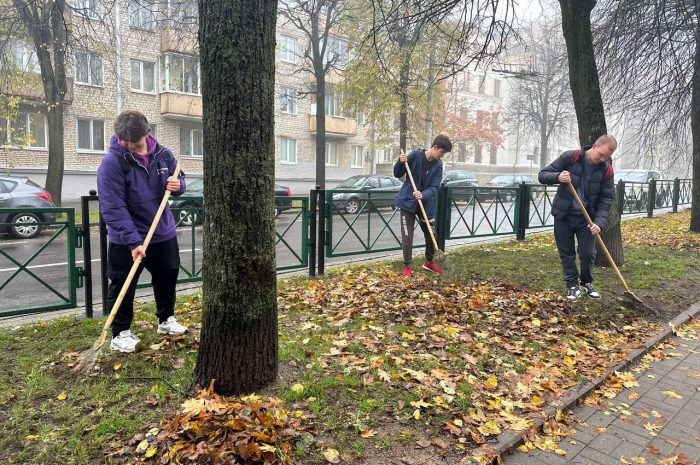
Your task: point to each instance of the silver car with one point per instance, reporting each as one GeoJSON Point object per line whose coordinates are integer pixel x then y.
{"type": "Point", "coordinates": [20, 192]}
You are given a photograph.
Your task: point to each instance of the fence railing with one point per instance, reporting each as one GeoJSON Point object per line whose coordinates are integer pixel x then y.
{"type": "Point", "coordinates": [328, 223]}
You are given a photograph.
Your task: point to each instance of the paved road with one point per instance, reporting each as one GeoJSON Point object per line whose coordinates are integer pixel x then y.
{"type": "Point", "coordinates": [660, 426]}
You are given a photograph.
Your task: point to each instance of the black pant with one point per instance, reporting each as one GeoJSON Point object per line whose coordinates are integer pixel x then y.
{"type": "Point", "coordinates": [408, 223]}
{"type": "Point", "coordinates": [564, 232]}
{"type": "Point", "coordinates": [162, 261]}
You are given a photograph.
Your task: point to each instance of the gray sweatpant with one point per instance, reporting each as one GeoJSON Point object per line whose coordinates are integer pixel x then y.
{"type": "Point", "coordinates": [408, 224]}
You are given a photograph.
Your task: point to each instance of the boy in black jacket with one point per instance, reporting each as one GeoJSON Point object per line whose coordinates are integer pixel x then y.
{"type": "Point", "coordinates": [592, 176]}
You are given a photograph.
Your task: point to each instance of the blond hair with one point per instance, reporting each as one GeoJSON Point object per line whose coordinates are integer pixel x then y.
{"type": "Point", "coordinates": [609, 140]}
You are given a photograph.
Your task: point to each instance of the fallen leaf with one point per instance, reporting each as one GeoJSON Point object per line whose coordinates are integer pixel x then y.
{"type": "Point", "coordinates": [332, 455]}
{"type": "Point", "coordinates": [61, 396]}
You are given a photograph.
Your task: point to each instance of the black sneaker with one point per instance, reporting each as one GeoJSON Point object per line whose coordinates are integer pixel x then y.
{"type": "Point", "coordinates": [574, 294]}
{"type": "Point", "coordinates": [590, 291]}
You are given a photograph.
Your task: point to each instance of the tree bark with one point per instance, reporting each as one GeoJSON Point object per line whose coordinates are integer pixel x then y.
{"type": "Point", "coordinates": [320, 75]}
{"type": "Point", "coordinates": [695, 129]}
{"type": "Point", "coordinates": [588, 103]}
{"type": "Point", "coordinates": [238, 345]}
{"type": "Point", "coordinates": [403, 92]}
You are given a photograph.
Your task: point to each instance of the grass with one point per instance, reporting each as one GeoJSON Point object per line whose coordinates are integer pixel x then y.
{"type": "Point", "coordinates": [56, 418]}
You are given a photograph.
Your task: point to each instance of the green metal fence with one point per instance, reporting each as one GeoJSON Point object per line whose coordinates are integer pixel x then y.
{"type": "Point", "coordinates": [480, 211]}
{"type": "Point", "coordinates": [25, 269]}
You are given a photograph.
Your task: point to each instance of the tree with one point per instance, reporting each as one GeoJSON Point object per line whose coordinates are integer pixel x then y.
{"type": "Point", "coordinates": [588, 102]}
{"type": "Point", "coordinates": [238, 345]}
{"type": "Point", "coordinates": [541, 100]}
{"type": "Point", "coordinates": [318, 20]}
{"type": "Point", "coordinates": [650, 68]}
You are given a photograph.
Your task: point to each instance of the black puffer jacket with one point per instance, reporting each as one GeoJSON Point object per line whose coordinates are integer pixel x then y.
{"type": "Point", "coordinates": [600, 194]}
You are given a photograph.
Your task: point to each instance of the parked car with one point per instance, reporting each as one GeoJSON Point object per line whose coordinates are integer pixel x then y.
{"type": "Point", "coordinates": [504, 181]}
{"type": "Point", "coordinates": [195, 188]}
{"type": "Point", "coordinates": [637, 196]}
{"type": "Point", "coordinates": [460, 178]}
{"type": "Point", "coordinates": [384, 190]}
{"type": "Point", "coordinates": [20, 192]}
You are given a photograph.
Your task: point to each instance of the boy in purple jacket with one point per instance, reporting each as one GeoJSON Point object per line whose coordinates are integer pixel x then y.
{"type": "Point", "coordinates": [132, 179]}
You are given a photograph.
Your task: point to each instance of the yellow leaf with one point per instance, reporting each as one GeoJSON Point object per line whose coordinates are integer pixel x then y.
{"type": "Point", "coordinates": [332, 455]}
{"type": "Point", "coordinates": [639, 459]}
{"type": "Point", "coordinates": [537, 323]}
{"type": "Point", "coordinates": [569, 361]}
{"type": "Point", "coordinates": [491, 383]}
{"type": "Point", "coordinates": [31, 437]}
{"type": "Point", "coordinates": [368, 434]}
{"type": "Point", "coordinates": [672, 394]}
{"type": "Point", "coordinates": [559, 451]}
{"type": "Point", "coordinates": [537, 401]}
{"type": "Point", "coordinates": [143, 445]}
{"type": "Point", "coordinates": [61, 396]}
{"type": "Point", "coordinates": [416, 414]}
{"type": "Point", "coordinates": [298, 388]}
{"type": "Point", "coordinates": [306, 341]}
{"type": "Point", "coordinates": [117, 366]}
{"type": "Point", "coordinates": [151, 452]}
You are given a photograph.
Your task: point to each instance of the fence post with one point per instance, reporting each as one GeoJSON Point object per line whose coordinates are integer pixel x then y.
{"type": "Point", "coordinates": [521, 212]}
{"type": "Point", "coordinates": [313, 207]}
{"type": "Point", "coordinates": [321, 239]}
{"type": "Point", "coordinates": [621, 196]}
{"type": "Point", "coordinates": [676, 194]}
{"type": "Point", "coordinates": [87, 252]}
{"type": "Point", "coordinates": [443, 211]}
{"type": "Point", "coordinates": [652, 198]}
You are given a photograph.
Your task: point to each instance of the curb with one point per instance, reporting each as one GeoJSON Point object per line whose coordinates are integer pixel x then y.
{"type": "Point", "coordinates": [509, 440]}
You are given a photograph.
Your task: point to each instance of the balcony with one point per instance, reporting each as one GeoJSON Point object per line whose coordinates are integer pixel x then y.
{"type": "Point", "coordinates": [31, 90]}
{"type": "Point", "coordinates": [181, 106]}
{"type": "Point", "coordinates": [172, 40]}
{"type": "Point", "coordinates": [336, 126]}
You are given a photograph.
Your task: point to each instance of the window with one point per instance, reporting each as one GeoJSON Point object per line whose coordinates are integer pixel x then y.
{"type": "Point", "coordinates": [387, 154]}
{"type": "Point", "coordinates": [154, 131]}
{"type": "Point", "coordinates": [288, 49]}
{"type": "Point", "coordinates": [461, 152]}
{"type": "Point", "coordinates": [183, 12]}
{"type": "Point", "coordinates": [357, 156]}
{"type": "Point", "coordinates": [494, 155]}
{"type": "Point", "coordinates": [141, 14]}
{"type": "Point", "coordinates": [288, 100]}
{"type": "Point", "coordinates": [332, 103]}
{"type": "Point", "coordinates": [331, 154]}
{"type": "Point", "coordinates": [360, 117]}
{"type": "Point", "coordinates": [24, 56]}
{"type": "Point", "coordinates": [337, 51]}
{"type": "Point", "coordinates": [482, 84]}
{"type": "Point", "coordinates": [192, 142]}
{"type": "Point", "coordinates": [143, 76]}
{"type": "Point", "coordinates": [88, 8]}
{"type": "Point", "coordinates": [496, 88]}
{"type": "Point", "coordinates": [288, 150]}
{"type": "Point", "coordinates": [91, 134]}
{"type": "Point", "coordinates": [477, 154]}
{"type": "Point", "coordinates": [179, 73]}
{"type": "Point", "coordinates": [27, 130]}
{"type": "Point", "coordinates": [88, 68]}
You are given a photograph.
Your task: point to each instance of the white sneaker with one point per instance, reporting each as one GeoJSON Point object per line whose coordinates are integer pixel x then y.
{"type": "Point", "coordinates": [125, 342]}
{"type": "Point", "coordinates": [171, 326]}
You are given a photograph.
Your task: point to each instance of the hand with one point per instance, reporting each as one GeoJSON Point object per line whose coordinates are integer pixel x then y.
{"type": "Point", "coordinates": [403, 158]}
{"type": "Point", "coordinates": [418, 195]}
{"type": "Point", "coordinates": [138, 251]}
{"type": "Point", "coordinates": [594, 228]}
{"type": "Point", "coordinates": [564, 176]}
{"type": "Point", "coordinates": [173, 184]}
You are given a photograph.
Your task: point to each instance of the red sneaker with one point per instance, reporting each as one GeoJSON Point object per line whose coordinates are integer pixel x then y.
{"type": "Point", "coordinates": [430, 266]}
{"type": "Point", "coordinates": [407, 272]}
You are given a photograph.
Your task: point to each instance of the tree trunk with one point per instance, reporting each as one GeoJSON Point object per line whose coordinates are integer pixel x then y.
{"type": "Point", "coordinates": [585, 87]}
{"type": "Point", "coordinates": [403, 92]}
{"type": "Point", "coordinates": [54, 173]}
{"type": "Point", "coordinates": [320, 75]}
{"type": "Point", "coordinates": [695, 129]}
{"type": "Point", "coordinates": [429, 102]}
{"type": "Point", "coordinates": [238, 346]}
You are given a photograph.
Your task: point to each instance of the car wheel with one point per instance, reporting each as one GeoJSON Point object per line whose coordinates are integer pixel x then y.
{"type": "Point", "coordinates": [187, 218]}
{"type": "Point", "coordinates": [352, 206]}
{"type": "Point", "coordinates": [25, 226]}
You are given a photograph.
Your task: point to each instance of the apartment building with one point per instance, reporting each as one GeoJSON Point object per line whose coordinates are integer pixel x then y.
{"type": "Point", "coordinates": [139, 54]}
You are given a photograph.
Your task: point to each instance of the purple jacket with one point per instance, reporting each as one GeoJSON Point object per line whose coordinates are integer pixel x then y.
{"type": "Point", "coordinates": [130, 194]}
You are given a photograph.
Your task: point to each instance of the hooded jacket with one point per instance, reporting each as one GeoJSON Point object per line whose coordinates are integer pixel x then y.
{"type": "Point", "coordinates": [130, 193]}
{"type": "Point", "coordinates": [427, 184]}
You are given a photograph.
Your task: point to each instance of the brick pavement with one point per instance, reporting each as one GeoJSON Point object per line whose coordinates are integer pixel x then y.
{"type": "Point", "coordinates": [657, 422]}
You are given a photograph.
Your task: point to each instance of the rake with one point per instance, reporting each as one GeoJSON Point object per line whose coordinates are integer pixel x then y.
{"type": "Point", "coordinates": [440, 256]}
{"type": "Point", "coordinates": [87, 359]}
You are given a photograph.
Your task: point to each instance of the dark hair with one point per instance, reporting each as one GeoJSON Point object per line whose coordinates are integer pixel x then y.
{"type": "Point", "coordinates": [131, 125]}
{"type": "Point", "coordinates": [442, 142]}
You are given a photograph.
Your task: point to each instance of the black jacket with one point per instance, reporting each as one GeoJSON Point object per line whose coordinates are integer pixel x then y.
{"type": "Point", "coordinates": [600, 194]}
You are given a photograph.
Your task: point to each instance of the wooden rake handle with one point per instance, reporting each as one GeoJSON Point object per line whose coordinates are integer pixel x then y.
{"type": "Point", "coordinates": [137, 262]}
{"type": "Point", "coordinates": [600, 239]}
{"type": "Point", "coordinates": [420, 204]}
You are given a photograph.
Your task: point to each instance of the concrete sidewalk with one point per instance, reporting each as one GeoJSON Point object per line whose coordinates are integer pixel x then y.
{"type": "Point", "coordinates": [656, 422]}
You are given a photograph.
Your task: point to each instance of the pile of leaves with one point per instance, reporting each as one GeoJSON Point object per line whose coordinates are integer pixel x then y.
{"type": "Point", "coordinates": [211, 429]}
{"type": "Point", "coordinates": [478, 357]}
{"type": "Point", "coordinates": [672, 232]}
